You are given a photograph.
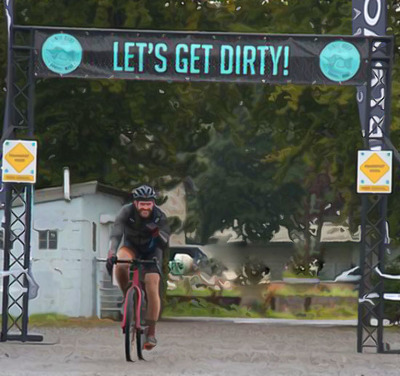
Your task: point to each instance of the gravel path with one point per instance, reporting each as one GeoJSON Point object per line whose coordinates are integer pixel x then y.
{"type": "Point", "coordinates": [202, 348]}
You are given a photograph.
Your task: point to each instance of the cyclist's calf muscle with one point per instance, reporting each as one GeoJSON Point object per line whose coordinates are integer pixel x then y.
{"type": "Point", "coordinates": [152, 283]}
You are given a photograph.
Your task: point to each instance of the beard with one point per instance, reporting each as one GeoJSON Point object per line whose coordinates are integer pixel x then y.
{"type": "Point", "coordinates": [144, 213]}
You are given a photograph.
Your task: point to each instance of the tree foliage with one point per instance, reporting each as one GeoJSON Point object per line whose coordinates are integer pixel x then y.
{"type": "Point", "coordinates": [255, 151]}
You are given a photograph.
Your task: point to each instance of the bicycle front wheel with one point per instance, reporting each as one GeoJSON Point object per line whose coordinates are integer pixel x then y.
{"type": "Point", "coordinates": [130, 330]}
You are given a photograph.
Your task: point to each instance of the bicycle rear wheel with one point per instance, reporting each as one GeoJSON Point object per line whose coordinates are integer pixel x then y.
{"type": "Point", "coordinates": [130, 330]}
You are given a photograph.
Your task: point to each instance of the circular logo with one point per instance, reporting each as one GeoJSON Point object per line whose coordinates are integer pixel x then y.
{"type": "Point", "coordinates": [62, 53]}
{"type": "Point", "coordinates": [339, 61]}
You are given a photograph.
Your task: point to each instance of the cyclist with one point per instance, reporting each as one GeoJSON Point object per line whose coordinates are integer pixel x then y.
{"type": "Point", "coordinates": [144, 232]}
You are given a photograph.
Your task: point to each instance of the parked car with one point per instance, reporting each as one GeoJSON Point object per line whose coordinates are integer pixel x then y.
{"type": "Point", "coordinates": [198, 255]}
{"type": "Point", "coordinates": [352, 275]}
{"type": "Point", "coordinates": [190, 264]}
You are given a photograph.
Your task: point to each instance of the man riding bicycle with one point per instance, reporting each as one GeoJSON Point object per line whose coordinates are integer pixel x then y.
{"type": "Point", "coordinates": [144, 231]}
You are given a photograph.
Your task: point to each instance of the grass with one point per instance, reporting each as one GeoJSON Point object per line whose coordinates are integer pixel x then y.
{"type": "Point", "coordinates": [181, 290]}
{"type": "Point", "coordinates": [318, 313]}
{"type": "Point", "coordinates": [55, 320]}
{"type": "Point", "coordinates": [294, 290]}
{"type": "Point", "coordinates": [200, 308]}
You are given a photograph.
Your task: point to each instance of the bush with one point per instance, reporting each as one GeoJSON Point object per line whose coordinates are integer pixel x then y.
{"type": "Point", "coordinates": [200, 307]}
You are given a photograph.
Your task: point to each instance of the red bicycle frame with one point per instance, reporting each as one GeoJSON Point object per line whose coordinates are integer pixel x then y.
{"type": "Point", "coordinates": [135, 285]}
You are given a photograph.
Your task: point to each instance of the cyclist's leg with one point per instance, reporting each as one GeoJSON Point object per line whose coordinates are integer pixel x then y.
{"type": "Point", "coordinates": [152, 286]}
{"type": "Point", "coordinates": [122, 270]}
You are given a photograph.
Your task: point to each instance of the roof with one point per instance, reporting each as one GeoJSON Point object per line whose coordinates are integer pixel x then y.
{"type": "Point", "coordinates": [78, 190]}
{"type": "Point", "coordinates": [331, 232]}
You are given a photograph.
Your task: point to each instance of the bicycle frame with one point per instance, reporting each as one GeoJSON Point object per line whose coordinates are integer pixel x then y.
{"type": "Point", "coordinates": [135, 276]}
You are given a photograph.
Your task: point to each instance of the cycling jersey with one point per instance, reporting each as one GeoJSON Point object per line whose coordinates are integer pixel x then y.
{"type": "Point", "coordinates": [132, 227]}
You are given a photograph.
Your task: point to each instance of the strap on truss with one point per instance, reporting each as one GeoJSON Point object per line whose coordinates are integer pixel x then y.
{"type": "Point", "coordinates": [33, 286]}
{"type": "Point", "coordinates": [388, 276]}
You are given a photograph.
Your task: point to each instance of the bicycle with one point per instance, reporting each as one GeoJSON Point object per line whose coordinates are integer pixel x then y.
{"type": "Point", "coordinates": [135, 309]}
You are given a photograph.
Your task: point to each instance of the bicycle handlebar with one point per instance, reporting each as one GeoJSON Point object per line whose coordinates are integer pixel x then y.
{"type": "Point", "coordinates": [154, 261]}
{"type": "Point", "coordinates": [137, 262]}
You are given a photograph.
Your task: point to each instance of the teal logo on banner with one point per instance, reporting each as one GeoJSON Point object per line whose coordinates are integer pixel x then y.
{"type": "Point", "coordinates": [62, 53]}
{"type": "Point", "coordinates": [339, 61]}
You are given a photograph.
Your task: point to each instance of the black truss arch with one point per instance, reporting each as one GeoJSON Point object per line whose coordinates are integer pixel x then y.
{"type": "Point", "coordinates": [25, 64]}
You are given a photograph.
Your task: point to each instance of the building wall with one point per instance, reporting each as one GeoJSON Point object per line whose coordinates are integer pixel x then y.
{"type": "Point", "coordinates": [96, 208]}
{"type": "Point", "coordinates": [67, 275]}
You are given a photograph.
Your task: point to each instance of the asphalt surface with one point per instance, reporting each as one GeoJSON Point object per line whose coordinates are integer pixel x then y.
{"type": "Point", "coordinates": [232, 347]}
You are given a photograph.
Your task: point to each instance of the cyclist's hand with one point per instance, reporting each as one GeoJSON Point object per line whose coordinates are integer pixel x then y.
{"type": "Point", "coordinates": [154, 230]}
{"type": "Point", "coordinates": [111, 259]}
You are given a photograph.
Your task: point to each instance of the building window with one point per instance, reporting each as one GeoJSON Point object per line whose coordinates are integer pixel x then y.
{"type": "Point", "coordinates": [48, 239]}
{"type": "Point", "coordinates": [94, 234]}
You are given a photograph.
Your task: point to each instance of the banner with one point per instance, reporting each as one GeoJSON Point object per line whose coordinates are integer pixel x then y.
{"type": "Point", "coordinates": [369, 18]}
{"type": "Point", "coordinates": [195, 56]}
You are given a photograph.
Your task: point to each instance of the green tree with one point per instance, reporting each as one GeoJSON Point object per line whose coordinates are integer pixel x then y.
{"type": "Point", "coordinates": [125, 132]}
{"type": "Point", "coordinates": [118, 132]}
{"type": "Point", "coordinates": [237, 191]}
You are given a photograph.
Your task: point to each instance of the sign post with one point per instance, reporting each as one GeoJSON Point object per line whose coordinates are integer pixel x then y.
{"type": "Point", "coordinates": [19, 173]}
{"type": "Point", "coordinates": [374, 173]}
{"type": "Point", "coordinates": [19, 161]}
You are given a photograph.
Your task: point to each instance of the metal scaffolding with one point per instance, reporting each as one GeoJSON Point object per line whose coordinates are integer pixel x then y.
{"type": "Point", "coordinates": [374, 227]}
{"type": "Point", "coordinates": [17, 198]}
{"type": "Point", "coordinates": [19, 117]}
{"type": "Point", "coordinates": [16, 264]}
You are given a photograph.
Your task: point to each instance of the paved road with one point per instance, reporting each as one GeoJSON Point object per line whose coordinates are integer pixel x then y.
{"type": "Point", "coordinates": [203, 348]}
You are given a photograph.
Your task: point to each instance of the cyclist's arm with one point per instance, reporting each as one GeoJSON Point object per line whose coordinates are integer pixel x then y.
{"type": "Point", "coordinates": [118, 229]}
{"type": "Point", "coordinates": [165, 230]}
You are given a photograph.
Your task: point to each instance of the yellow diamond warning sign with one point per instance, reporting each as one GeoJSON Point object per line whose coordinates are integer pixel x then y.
{"type": "Point", "coordinates": [374, 171]}
{"type": "Point", "coordinates": [374, 168]}
{"type": "Point", "coordinates": [19, 161]}
{"type": "Point", "coordinates": [19, 157]}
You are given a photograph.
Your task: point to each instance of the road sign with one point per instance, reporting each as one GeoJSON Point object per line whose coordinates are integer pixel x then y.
{"type": "Point", "coordinates": [374, 174]}
{"type": "Point", "coordinates": [19, 161]}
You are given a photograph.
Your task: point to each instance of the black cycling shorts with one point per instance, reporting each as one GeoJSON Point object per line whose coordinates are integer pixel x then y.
{"type": "Point", "coordinates": [145, 254]}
